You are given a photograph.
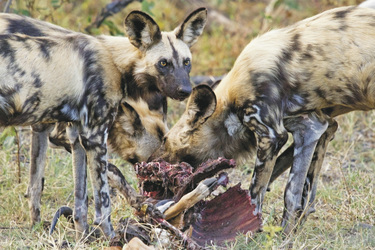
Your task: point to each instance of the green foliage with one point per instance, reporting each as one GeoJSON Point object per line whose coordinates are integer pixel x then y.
{"type": "Point", "coordinates": [147, 6]}
{"type": "Point", "coordinates": [292, 4]}
{"type": "Point", "coordinates": [113, 28]}
{"type": "Point", "coordinates": [271, 234]}
{"type": "Point", "coordinates": [7, 137]}
{"type": "Point", "coordinates": [55, 3]}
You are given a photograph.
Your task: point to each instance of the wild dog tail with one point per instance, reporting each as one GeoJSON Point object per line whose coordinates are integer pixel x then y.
{"type": "Point", "coordinates": [64, 210]}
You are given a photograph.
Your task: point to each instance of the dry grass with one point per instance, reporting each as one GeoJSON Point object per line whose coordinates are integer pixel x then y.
{"type": "Point", "coordinates": [345, 216]}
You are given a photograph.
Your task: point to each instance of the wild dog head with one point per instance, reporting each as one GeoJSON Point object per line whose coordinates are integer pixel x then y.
{"type": "Point", "coordinates": [206, 130]}
{"type": "Point", "coordinates": [184, 142]}
{"type": "Point", "coordinates": [165, 61]}
{"type": "Point", "coordinates": [136, 132]}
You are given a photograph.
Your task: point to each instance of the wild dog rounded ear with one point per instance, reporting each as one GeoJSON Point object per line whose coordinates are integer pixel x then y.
{"type": "Point", "coordinates": [142, 30]}
{"type": "Point", "coordinates": [192, 27]}
{"type": "Point", "coordinates": [129, 118]}
{"type": "Point", "coordinates": [201, 105]}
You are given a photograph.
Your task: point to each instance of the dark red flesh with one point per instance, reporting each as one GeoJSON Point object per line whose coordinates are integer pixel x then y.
{"type": "Point", "coordinates": [225, 216]}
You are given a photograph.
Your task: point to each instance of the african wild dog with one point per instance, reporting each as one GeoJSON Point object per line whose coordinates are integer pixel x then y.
{"type": "Point", "coordinates": [135, 134]}
{"type": "Point", "coordinates": [295, 79]}
{"type": "Point", "coordinates": [80, 80]}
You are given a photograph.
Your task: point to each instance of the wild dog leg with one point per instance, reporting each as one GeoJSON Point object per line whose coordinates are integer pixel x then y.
{"type": "Point", "coordinates": [94, 141]}
{"type": "Point", "coordinates": [309, 191]}
{"type": "Point", "coordinates": [39, 144]}
{"type": "Point", "coordinates": [80, 185]}
{"type": "Point", "coordinates": [117, 180]}
{"type": "Point", "coordinates": [266, 157]}
{"type": "Point", "coordinates": [271, 138]}
{"type": "Point", "coordinates": [283, 162]}
{"type": "Point", "coordinates": [307, 130]}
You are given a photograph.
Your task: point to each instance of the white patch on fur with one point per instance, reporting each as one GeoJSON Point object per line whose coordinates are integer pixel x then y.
{"type": "Point", "coordinates": [295, 104]}
{"type": "Point", "coordinates": [258, 207]}
{"type": "Point", "coordinates": [258, 162]}
{"type": "Point", "coordinates": [146, 36]}
{"type": "Point", "coordinates": [84, 115]}
{"type": "Point", "coordinates": [253, 179]}
{"type": "Point", "coordinates": [233, 124]}
{"type": "Point", "coordinates": [291, 175]}
{"type": "Point", "coordinates": [256, 115]}
{"type": "Point", "coordinates": [70, 112]}
{"type": "Point", "coordinates": [106, 134]}
{"type": "Point", "coordinates": [72, 133]}
{"type": "Point", "coordinates": [188, 36]}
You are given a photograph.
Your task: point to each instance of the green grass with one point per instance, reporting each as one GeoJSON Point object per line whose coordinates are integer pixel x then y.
{"type": "Point", "coordinates": [345, 216]}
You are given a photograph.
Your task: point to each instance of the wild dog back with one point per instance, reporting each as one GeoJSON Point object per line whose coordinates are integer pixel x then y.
{"type": "Point", "coordinates": [12, 23]}
{"type": "Point", "coordinates": [293, 80]}
{"type": "Point", "coordinates": [318, 63]}
{"type": "Point", "coordinates": [56, 79]}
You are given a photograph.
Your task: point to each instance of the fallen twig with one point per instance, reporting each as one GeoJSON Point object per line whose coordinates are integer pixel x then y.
{"type": "Point", "coordinates": [109, 10]}
{"type": "Point", "coordinates": [7, 6]}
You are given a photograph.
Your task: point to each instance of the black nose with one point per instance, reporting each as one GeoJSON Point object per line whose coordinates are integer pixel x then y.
{"type": "Point", "coordinates": [184, 92]}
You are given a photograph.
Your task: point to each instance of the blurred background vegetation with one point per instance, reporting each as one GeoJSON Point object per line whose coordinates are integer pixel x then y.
{"type": "Point", "coordinates": [231, 23]}
{"type": "Point", "coordinates": [345, 215]}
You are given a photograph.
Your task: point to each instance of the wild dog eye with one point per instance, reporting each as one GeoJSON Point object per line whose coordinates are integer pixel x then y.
{"type": "Point", "coordinates": [187, 62]}
{"type": "Point", "coordinates": [163, 63]}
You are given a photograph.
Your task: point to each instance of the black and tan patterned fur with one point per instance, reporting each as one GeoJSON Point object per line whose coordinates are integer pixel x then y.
{"type": "Point", "coordinates": [49, 75]}
{"type": "Point", "coordinates": [295, 79]}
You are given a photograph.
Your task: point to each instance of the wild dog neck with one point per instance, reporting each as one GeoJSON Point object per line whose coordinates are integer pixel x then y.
{"type": "Point", "coordinates": [129, 60]}
{"type": "Point", "coordinates": [124, 54]}
{"type": "Point", "coordinates": [234, 140]}
{"type": "Point", "coordinates": [225, 135]}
